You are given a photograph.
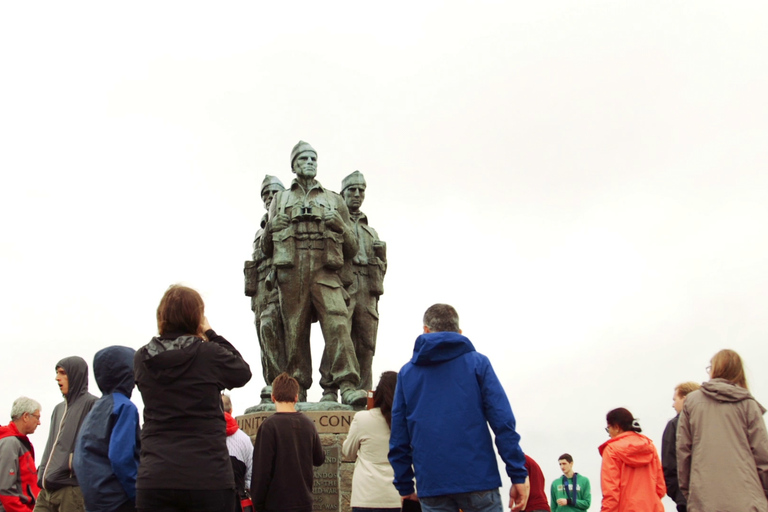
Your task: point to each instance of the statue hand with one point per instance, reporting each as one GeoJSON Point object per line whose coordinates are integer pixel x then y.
{"type": "Point", "coordinates": [333, 220]}
{"type": "Point", "coordinates": [281, 221]}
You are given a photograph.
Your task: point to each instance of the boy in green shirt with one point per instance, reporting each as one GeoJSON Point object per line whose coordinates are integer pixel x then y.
{"type": "Point", "coordinates": [570, 493]}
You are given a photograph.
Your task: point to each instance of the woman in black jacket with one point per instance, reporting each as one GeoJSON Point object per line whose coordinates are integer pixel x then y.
{"type": "Point", "coordinates": [180, 373]}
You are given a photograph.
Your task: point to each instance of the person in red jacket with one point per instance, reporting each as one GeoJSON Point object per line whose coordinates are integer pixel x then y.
{"type": "Point", "coordinates": [537, 497]}
{"type": "Point", "coordinates": [631, 476]}
{"type": "Point", "coordinates": [18, 478]}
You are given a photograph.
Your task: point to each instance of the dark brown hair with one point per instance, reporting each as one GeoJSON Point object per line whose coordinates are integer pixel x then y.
{"type": "Point", "coordinates": [385, 394]}
{"type": "Point", "coordinates": [284, 388]}
{"type": "Point", "coordinates": [181, 310]}
{"type": "Point", "coordinates": [623, 419]}
{"type": "Point", "coordinates": [727, 365]}
{"type": "Point", "coordinates": [566, 457]}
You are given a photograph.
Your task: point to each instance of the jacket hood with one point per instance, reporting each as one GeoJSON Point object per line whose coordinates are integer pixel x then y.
{"type": "Point", "coordinates": [10, 430]}
{"type": "Point", "coordinates": [113, 369]}
{"type": "Point", "coordinates": [77, 376]}
{"type": "Point", "coordinates": [438, 347]}
{"type": "Point", "coordinates": [168, 359]}
{"type": "Point", "coordinates": [725, 391]}
{"type": "Point", "coordinates": [634, 450]}
{"type": "Point", "coordinates": [232, 425]}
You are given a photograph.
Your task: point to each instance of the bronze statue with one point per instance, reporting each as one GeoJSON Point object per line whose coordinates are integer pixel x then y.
{"type": "Point", "coordinates": [264, 299]}
{"type": "Point", "coordinates": [363, 277]}
{"type": "Point", "coordinates": [309, 236]}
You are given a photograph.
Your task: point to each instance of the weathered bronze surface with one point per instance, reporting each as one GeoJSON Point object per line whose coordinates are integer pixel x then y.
{"type": "Point", "coordinates": [363, 278]}
{"type": "Point", "coordinates": [264, 298]}
{"type": "Point", "coordinates": [315, 262]}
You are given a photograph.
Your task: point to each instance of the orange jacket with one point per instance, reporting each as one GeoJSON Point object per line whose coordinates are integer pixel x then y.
{"type": "Point", "coordinates": [631, 478]}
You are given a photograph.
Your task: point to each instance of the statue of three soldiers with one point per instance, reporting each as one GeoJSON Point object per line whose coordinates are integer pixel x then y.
{"type": "Point", "coordinates": [315, 258]}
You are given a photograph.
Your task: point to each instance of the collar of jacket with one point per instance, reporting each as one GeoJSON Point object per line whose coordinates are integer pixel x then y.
{"type": "Point", "coordinates": [314, 185]}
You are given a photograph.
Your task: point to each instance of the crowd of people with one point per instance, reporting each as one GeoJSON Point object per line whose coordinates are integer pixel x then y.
{"type": "Point", "coordinates": [424, 444]}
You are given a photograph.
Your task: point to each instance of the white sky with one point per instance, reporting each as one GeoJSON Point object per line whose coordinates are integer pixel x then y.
{"type": "Point", "coordinates": [585, 182]}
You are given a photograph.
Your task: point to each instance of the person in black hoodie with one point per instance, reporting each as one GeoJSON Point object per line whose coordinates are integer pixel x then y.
{"type": "Point", "coordinates": [669, 445]}
{"type": "Point", "coordinates": [180, 373]}
{"type": "Point", "coordinates": [107, 450]}
{"type": "Point", "coordinates": [60, 491]}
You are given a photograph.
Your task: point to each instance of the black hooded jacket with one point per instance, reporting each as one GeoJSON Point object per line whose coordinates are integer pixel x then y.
{"type": "Point", "coordinates": [55, 470]}
{"type": "Point", "coordinates": [183, 441]}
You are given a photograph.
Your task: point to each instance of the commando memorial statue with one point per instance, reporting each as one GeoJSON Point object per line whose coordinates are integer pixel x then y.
{"type": "Point", "coordinates": [363, 277]}
{"type": "Point", "coordinates": [264, 298]}
{"type": "Point", "coordinates": [316, 259]}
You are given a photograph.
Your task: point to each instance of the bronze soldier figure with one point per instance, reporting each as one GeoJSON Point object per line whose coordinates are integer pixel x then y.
{"type": "Point", "coordinates": [263, 299]}
{"type": "Point", "coordinates": [363, 276]}
{"type": "Point", "coordinates": [309, 235]}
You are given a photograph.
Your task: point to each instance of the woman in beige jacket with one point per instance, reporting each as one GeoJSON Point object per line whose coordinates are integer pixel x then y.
{"type": "Point", "coordinates": [722, 444]}
{"type": "Point", "coordinates": [368, 442]}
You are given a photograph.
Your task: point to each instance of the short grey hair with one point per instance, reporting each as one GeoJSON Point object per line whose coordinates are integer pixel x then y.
{"type": "Point", "coordinates": [22, 405]}
{"type": "Point", "coordinates": [226, 403]}
{"type": "Point", "coordinates": [441, 318]}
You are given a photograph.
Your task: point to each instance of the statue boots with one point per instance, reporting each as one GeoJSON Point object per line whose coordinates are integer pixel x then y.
{"type": "Point", "coordinates": [349, 395]}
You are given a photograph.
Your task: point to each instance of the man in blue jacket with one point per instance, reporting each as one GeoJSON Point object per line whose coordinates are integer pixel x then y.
{"type": "Point", "coordinates": [107, 451]}
{"type": "Point", "coordinates": [446, 397]}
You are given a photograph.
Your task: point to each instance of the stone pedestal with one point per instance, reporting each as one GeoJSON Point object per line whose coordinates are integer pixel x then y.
{"type": "Point", "coordinates": [333, 480]}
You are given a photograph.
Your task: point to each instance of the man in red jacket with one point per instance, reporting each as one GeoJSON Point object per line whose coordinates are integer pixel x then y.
{"type": "Point", "coordinates": [18, 478]}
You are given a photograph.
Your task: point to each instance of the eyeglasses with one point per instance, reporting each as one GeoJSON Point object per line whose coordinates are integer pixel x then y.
{"type": "Point", "coordinates": [36, 416]}
{"type": "Point", "coordinates": [607, 431]}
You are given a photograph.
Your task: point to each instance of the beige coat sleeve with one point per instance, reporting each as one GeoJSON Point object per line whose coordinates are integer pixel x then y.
{"type": "Point", "coordinates": [758, 442]}
{"type": "Point", "coordinates": [352, 442]}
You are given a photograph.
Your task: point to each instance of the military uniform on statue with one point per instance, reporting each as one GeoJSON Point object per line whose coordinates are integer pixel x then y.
{"type": "Point", "coordinates": [363, 277]}
{"type": "Point", "coordinates": [309, 235]}
{"type": "Point", "coordinates": [263, 298]}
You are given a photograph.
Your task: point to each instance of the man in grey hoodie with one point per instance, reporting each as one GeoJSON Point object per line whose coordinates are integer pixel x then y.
{"type": "Point", "coordinates": [60, 491]}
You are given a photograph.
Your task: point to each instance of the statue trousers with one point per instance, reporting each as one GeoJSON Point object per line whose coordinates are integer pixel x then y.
{"type": "Point", "coordinates": [309, 287]}
{"type": "Point", "coordinates": [269, 329]}
{"type": "Point", "coordinates": [363, 311]}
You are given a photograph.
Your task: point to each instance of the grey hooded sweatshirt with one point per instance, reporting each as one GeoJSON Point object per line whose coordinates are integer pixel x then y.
{"type": "Point", "coordinates": [722, 450]}
{"type": "Point", "coordinates": [55, 470]}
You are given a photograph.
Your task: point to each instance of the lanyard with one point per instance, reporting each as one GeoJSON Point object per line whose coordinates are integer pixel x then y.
{"type": "Point", "coordinates": [565, 487]}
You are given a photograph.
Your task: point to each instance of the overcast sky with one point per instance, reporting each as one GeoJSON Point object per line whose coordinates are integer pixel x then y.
{"type": "Point", "coordinates": [585, 182]}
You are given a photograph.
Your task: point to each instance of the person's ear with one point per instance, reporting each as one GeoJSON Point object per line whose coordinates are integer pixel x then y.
{"type": "Point", "coordinates": [273, 398]}
{"type": "Point", "coordinates": [426, 330]}
{"type": "Point", "coordinates": [459, 331]}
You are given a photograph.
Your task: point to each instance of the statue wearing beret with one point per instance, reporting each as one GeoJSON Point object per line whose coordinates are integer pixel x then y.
{"type": "Point", "coordinates": [363, 276]}
{"type": "Point", "coordinates": [309, 235]}
{"type": "Point", "coordinates": [264, 298]}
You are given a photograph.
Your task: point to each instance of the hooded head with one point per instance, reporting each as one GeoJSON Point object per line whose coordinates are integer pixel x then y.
{"type": "Point", "coordinates": [633, 449]}
{"type": "Point", "coordinates": [113, 368]}
{"type": "Point", "coordinates": [77, 376]}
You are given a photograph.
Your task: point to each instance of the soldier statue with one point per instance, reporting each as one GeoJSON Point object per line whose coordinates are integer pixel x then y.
{"type": "Point", "coordinates": [264, 299]}
{"type": "Point", "coordinates": [363, 277]}
{"type": "Point", "coordinates": [309, 235]}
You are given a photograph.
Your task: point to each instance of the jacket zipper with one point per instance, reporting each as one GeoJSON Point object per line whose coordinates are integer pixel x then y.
{"type": "Point", "coordinates": [53, 448]}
